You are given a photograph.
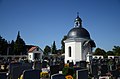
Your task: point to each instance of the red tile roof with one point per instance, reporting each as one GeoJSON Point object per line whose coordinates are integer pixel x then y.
{"type": "Point", "coordinates": [32, 49]}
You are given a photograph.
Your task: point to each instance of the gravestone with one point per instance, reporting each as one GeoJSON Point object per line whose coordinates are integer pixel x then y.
{"type": "Point", "coordinates": [54, 69]}
{"type": "Point", "coordinates": [27, 64]}
{"type": "Point", "coordinates": [38, 66]}
{"type": "Point", "coordinates": [104, 70]}
{"type": "Point", "coordinates": [44, 64]}
{"type": "Point", "coordinates": [11, 68]}
{"type": "Point", "coordinates": [94, 70]}
{"type": "Point", "coordinates": [77, 68]}
{"type": "Point", "coordinates": [82, 74]}
{"type": "Point", "coordinates": [116, 60]}
{"type": "Point", "coordinates": [17, 71]}
{"type": "Point", "coordinates": [3, 75]}
{"type": "Point", "coordinates": [77, 64]}
{"type": "Point", "coordinates": [115, 73]}
{"type": "Point", "coordinates": [83, 64]}
{"type": "Point", "coordinates": [113, 67]}
{"type": "Point", "coordinates": [31, 74]}
{"type": "Point", "coordinates": [61, 66]}
{"type": "Point", "coordinates": [110, 67]}
{"type": "Point", "coordinates": [57, 76]}
{"type": "Point", "coordinates": [12, 65]}
{"type": "Point", "coordinates": [71, 64]}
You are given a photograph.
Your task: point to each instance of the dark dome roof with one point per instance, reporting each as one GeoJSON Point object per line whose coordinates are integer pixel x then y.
{"type": "Point", "coordinates": [78, 32]}
{"type": "Point", "coordinates": [78, 19]}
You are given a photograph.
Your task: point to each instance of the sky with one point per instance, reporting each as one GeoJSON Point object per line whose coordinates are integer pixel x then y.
{"type": "Point", "coordinates": [41, 22]}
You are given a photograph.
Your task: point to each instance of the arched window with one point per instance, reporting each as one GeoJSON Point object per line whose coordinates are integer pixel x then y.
{"type": "Point", "coordinates": [69, 51]}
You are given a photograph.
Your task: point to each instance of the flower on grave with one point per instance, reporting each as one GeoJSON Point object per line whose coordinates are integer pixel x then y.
{"type": "Point", "coordinates": [21, 77]}
{"type": "Point", "coordinates": [68, 77]}
{"type": "Point", "coordinates": [66, 65]}
{"type": "Point", "coordinates": [44, 74]}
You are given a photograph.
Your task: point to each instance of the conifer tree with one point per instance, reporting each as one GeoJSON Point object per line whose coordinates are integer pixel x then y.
{"type": "Point", "coordinates": [54, 49]}
{"type": "Point", "coordinates": [19, 46]}
{"type": "Point", "coordinates": [63, 44]}
{"type": "Point", "coordinates": [11, 51]}
{"type": "Point", "coordinates": [3, 46]}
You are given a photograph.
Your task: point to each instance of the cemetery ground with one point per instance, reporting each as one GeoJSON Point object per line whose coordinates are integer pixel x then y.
{"type": "Point", "coordinates": [51, 68]}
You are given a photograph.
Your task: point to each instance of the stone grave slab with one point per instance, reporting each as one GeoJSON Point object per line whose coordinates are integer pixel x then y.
{"type": "Point", "coordinates": [54, 69]}
{"type": "Point", "coordinates": [57, 76]}
{"type": "Point", "coordinates": [3, 75]}
{"type": "Point", "coordinates": [31, 74]}
{"type": "Point", "coordinates": [82, 74]}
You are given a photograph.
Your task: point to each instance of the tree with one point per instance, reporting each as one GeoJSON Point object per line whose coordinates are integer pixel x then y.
{"type": "Point", "coordinates": [11, 51]}
{"type": "Point", "coordinates": [47, 50]}
{"type": "Point", "coordinates": [63, 44]}
{"type": "Point", "coordinates": [59, 51]}
{"type": "Point", "coordinates": [99, 51]}
{"type": "Point", "coordinates": [3, 46]}
{"type": "Point", "coordinates": [110, 53]}
{"type": "Point", "coordinates": [116, 50]}
{"type": "Point", "coordinates": [19, 46]}
{"type": "Point", "coordinates": [54, 48]}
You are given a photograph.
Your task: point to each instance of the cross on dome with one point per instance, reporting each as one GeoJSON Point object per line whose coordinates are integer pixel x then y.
{"type": "Point", "coordinates": [78, 21]}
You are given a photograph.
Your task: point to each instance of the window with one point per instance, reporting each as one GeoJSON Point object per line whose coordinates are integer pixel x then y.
{"type": "Point", "coordinates": [69, 51]}
{"type": "Point", "coordinates": [30, 56]}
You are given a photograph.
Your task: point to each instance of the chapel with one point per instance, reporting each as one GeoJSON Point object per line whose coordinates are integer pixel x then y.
{"type": "Point", "coordinates": [78, 45]}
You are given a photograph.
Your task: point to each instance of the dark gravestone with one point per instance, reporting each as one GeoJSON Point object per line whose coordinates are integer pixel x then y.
{"type": "Point", "coordinates": [11, 68]}
{"type": "Point", "coordinates": [17, 71]}
{"type": "Point", "coordinates": [12, 65]}
{"type": "Point", "coordinates": [54, 69]}
{"type": "Point", "coordinates": [113, 67]}
{"type": "Point", "coordinates": [115, 73]}
{"type": "Point", "coordinates": [94, 69]}
{"type": "Point", "coordinates": [61, 66]}
{"type": "Point", "coordinates": [71, 64]}
{"type": "Point", "coordinates": [44, 64]}
{"type": "Point", "coordinates": [82, 74]}
{"type": "Point", "coordinates": [57, 76]}
{"type": "Point", "coordinates": [83, 64]}
{"type": "Point", "coordinates": [77, 64]}
{"type": "Point", "coordinates": [31, 74]}
{"type": "Point", "coordinates": [38, 66]}
{"type": "Point", "coordinates": [104, 70]}
{"type": "Point", "coordinates": [77, 68]}
{"type": "Point", "coordinates": [116, 60]}
{"type": "Point", "coordinates": [27, 64]}
{"type": "Point", "coordinates": [3, 75]}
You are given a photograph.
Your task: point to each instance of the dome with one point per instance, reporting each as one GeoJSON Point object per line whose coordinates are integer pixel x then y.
{"type": "Point", "coordinates": [78, 32]}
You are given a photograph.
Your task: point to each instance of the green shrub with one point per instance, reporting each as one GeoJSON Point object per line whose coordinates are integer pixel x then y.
{"type": "Point", "coordinates": [65, 70]}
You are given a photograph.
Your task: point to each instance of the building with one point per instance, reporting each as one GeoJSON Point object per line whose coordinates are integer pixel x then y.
{"type": "Point", "coordinates": [78, 45]}
{"type": "Point", "coordinates": [35, 53]}
{"type": "Point", "coordinates": [97, 56]}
